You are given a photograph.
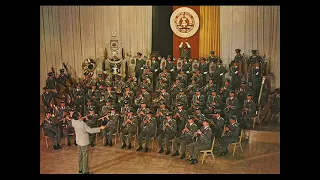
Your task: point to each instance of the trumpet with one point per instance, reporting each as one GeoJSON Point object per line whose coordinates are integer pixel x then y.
{"type": "Point", "coordinates": [205, 87]}
{"type": "Point", "coordinates": [189, 87]}
{"type": "Point", "coordinates": [185, 128]}
{"type": "Point", "coordinates": [109, 94]}
{"type": "Point", "coordinates": [173, 87]}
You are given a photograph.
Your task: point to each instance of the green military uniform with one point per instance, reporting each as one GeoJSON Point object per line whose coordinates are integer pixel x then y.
{"type": "Point", "coordinates": [254, 58]}
{"type": "Point", "coordinates": [146, 84]}
{"type": "Point", "coordinates": [234, 109]}
{"type": "Point", "coordinates": [204, 143]}
{"type": "Point", "coordinates": [230, 136]}
{"type": "Point", "coordinates": [242, 93]}
{"type": "Point", "coordinates": [191, 89]}
{"type": "Point", "coordinates": [246, 115]}
{"type": "Point", "coordinates": [92, 121]}
{"type": "Point", "coordinates": [199, 78]}
{"type": "Point", "coordinates": [110, 94]}
{"type": "Point", "coordinates": [160, 115]}
{"type": "Point", "coordinates": [225, 90]}
{"type": "Point", "coordinates": [111, 123]}
{"type": "Point", "coordinates": [171, 67]}
{"type": "Point", "coordinates": [180, 115]}
{"type": "Point", "coordinates": [166, 77]}
{"type": "Point", "coordinates": [169, 127]}
{"type": "Point", "coordinates": [51, 81]}
{"type": "Point", "coordinates": [77, 97]}
{"type": "Point", "coordinates": [186, 138]}
{"type": "Point", "coordinates": [212, 103]}
{"type": "Point", "coordinates": [88, 107]}
{"type": "Point", "coordinates": [161, 84]}
{"type": "Point", "coordinates": [181, 98]}
{"type": "Point", "coordinates": [217, 124]}
{"type": "Point", "coordinates": [128, 128]}
{"type": "Point", "coordinates": [86, 83]}
{"type": "Point", "coordinates": [148, 129]}
{"type": "Point", "coordinates": [209, 87]}
{"type": "Point", "coordinates": [139, 66]}
{"type": "Point", "coordinates": [141, 113]}
{"type": "Point", "coordinates": [212, 58]}
{"type": "Point", "coordinates": [50, 129]}
{"type": "Point", "coordinates": [132, 84]}
{"type": "Point", "coordinates": [204, 69]}
{"type": "Point", "coordinates": [185, 52]}
{"type": "Point", "coordinates": [219, 73]}
{"type": "Point", "coordinates": [235, 76]}
{"type": "Point", "coordinates": [175, 88]}
{"type": "Point", "coordinates": [127, 95]}
{"type": "Point", "coordinates": [197, 100]}
{"type": "Point", "coordinates": [106, 108]}
{"type": "Point", "coordinates": [165, 97]}
{"type": "Point", "coordinates": [199, 117]}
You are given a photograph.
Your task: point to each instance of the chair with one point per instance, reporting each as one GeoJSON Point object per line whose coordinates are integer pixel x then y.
{"type": "Point", "coordinates": [276, 115]}
{"type": "Point", "coordinates": [65, 138]}
{"type": "Point", "coordinates": [135, 137]}
{"type": "Point", "coordinates": [114, 134]}
{"type": "Point", "coordinates": [45, 137]}
{"type": "Point", "coordinates": [256, 119]}
{"type": "Point", "coordinates": [153, 138]}
{"type": "Point", "coordinates": [238, 144]}
{"type": "Point", "coordinates": [207, 152]}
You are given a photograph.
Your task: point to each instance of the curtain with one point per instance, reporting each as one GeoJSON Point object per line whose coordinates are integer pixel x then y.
{"type": "Point", "coordinates": [209, 30]}
{"type": "Point", "coordinates": [249, 28]}
{"type": "Point", "coordinates": [70, 34]}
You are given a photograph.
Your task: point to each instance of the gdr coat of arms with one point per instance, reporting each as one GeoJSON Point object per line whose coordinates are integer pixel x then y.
{"type": "Point", "coordinates": [184, 22]}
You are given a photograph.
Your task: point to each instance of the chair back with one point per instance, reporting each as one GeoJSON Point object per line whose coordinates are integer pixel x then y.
{"type": "Point", "coordinates": [118, 125]}
{"type": "Point", "coordinates": [241, 135]}
{"type": "Point", "coordinates": [42, 132]}
{"type": "Point", "coordinates": [212, 145]}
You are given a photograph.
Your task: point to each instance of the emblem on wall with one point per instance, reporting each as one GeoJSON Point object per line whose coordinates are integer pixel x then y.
{"type": "Point", "coordinates": [184, 22]}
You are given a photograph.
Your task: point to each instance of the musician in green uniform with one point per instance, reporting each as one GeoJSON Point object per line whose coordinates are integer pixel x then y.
{"type": "Point", "coordinates": [212, 58]}
{"type": "Point", "coordinates": [148, 129]}
{"type": "Point", "coordinates": [180, 115]}
{"type": "Point", "coordinates": [129, 128]}
{"type": "Point", "coordinates": [248, 111]}
{"type": "Point", "coordinates": [230, 135]}
{"type": "Point", "coordinates": [185, 138]}
{"type": "Point", "coordinates": [185, 50]}
{"type": "Point", "coordinates": [219, 73]}
{"type": "Point", "coordinates": [169, 128]}
{"type": "Point", "coordinates": [140, 62]}
{"type": "Point", "coordinates": [111, 122]}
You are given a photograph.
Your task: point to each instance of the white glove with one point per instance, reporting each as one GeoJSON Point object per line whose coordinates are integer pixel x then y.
{"type": "Point", "coordinates": [171, 70]}
{"type": "Point", "coordinates": [221, 74]}
{"type": "Point", "coordinates": [156, 70]}
{"type": "Point", "coordinates": [159, 58]}
{"type": "Point", "coordinates": [257, 73]}
{"type": "Point", "coordinates": [236, 72]}
{"type": "Point", "coordinates": [141, 68]}
{"type": "Point", "coordinates": [205, 72]}
{"type": "Point", "coordinates": [188, 72]}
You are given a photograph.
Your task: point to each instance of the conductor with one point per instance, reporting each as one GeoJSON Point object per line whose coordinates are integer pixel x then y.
{"type": "Point", "coordinates": [82, 131]}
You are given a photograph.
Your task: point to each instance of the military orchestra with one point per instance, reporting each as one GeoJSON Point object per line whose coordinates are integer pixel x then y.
{"type": "Point", "coordinates": [171, 102]}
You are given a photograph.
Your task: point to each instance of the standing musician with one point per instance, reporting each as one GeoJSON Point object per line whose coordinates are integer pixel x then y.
{"type": "Point", "coordinates": [186, 138]}
{"type": "Point", "coordinates": [242, 92]}
{"type": "Point", "coordinates": [127, 96]}
{"type": "Point", "coordinates": [155, 69]}
{"type": "Point", "coordinates": [61, 111]}
{"type": "Point", "coordinates": [204, 69]}
{"type": "Point", "coordinates": [92, 122]}
{"type": "Point", "coordinates": [204, 136]}
{"type": "Point", "coordinates": [47, 97]}
{"type": "Point", "coordinates": [129, 127]}
{"type": "Point", "coordinates": [86, 82]}
{"type": "Point", "coordinates": [185, 50]}
{"type": "Point", "coordinates": [213, 102]}
{"type": "Point", "coordinates": [248, 111]}
{"type": "Point", "coordinates": [225, 90]}
{"type": "Point", "coordinates": [230, 134]}
{"type": "Point", "coordinates": [88, 107]}
{"type": "Point", "coordinates": [199, 77]}
{"type": "Point", "coordinates": [219, 73]}
{"type": "Point", "coordinates": [51, 81]}
{"type": "Point", "coordinates": [169, 128]}
{"type": "Point", "coordinates": [111, 123]}
{"type": "Point", "coordinates": [217, 124]}
{"type": "Point", "coordinates": [140, 62]}
{"type": "Point", "coordinates": [232, 105]}
{"type": "Point", "coordinates": [180, 115]}
{"type": "Point", "coordinates": [50, 128]}
{"type": "Point", "coordinates": [235, 73]}
{"type": "Point", "coordinates": [148, 129]}
{"type": "Point", "coordinates": [182, 99]}
{"type": "Point", "coordinates": [63, 77]}
{"type": "Point", "coordinates": [186, 67]}
{"type": "Point", "coordinates": [212, 58]}
{"type": "Point", "coordinates": [100, 80]}
{"type": "Point", "coordinates": [171, 67]}
{"type": "Point", "coordinates": [197, 100]}
{"type": "Point", "coordinates": [254, 58]}
{"type": "Point", "coordinates": [77, 96]}
{"type": "Point", "coordinates": [67, 126]}
{"type": "Point", "coordinates": [141, 112]}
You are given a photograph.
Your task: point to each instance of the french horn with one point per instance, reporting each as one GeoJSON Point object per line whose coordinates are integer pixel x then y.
{"type": "Point", "coordinates": [89, 65]}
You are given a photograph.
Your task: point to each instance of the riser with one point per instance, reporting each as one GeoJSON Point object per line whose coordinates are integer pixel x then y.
{"type": "Point", "coordinates": [262, 136]}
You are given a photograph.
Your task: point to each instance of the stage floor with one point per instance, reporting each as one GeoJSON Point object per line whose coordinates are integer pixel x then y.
{"type": "Point", "coordinates": [257, 158]}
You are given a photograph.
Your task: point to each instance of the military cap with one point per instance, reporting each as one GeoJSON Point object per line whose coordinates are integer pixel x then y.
{"type": "Point", "coordinates": [190, 117]}
{"type": "Point", "coordinates": [126, 86]}
{"type": "Point", "coordinates": [139, 53]}
{"type": "Point", "coordinates": [228, 80]}
{"type": "Point", "coordinates": [217, 111]}
{"type": "Point", "coordinates": [179, 104]}
{"type": "Point", "coordinates": [143, 87]}
{"type": "Point", "coordinates": [162, 102]}
{"type": "Point", "coordinates": [85, 73]}
{"type": "Point", "coordinates": [169, 56]}
{"type": "Point", "coordinates": [48, 112]}
{"type": "Point", "coordinates": [211, 52]}
{"type": "Point", "coordinates": [178, 78]}
{"type": "Point", "coordinates": [130, 110]}
{"type": "Point", "coordinates": [108, 85]}
{"type": "Point", "coordinates": [243, 82]}
{"type": "Point", "coordinates": [198, 108]}
{"type": "Point", "coordinates": [50, 73]}
{"type": "Point", "coordinates": [233, 117]}
{"type": "Point", "coordinates": [45, 88]}
{"type": "Point", "coordinates": [78, 84]}
{"type": "Point", "coordinates": [61, 101]}
{"type": "Point", "coordinates": [213, 90]}
{"type": "Point", "coordinates": [205, 120]}
{"type": "Point", "coordinates": [198, 90]}
{"type": "Point", "coordinates": [71, 109]}
{"type": "Point", "coordinates": [238, 50]}
{"type": "Point", "coordinates": [147, 67]}
{"type": "Point", "coordinates": [125, 102]}
{"type": "Point", "coordinates": [197, 69]}
{"type": "Point", "coordinates": [231, 91]}
{"type": "Point", "coordinates": [164, 68]}
{"type": "Point", "coordinates": [93, 84]}
{"type": "Point", "coordinates": [254, 51]}
{"type": "Point", "coordinates": [99, 75]}
{"type": "Point", "coordinates": [61, 70]}
{"type": "Point", "coordinates": [91, 109]}
{"type": "Point", "coordinates": [147, 112]}
{"type": "Point", "coordinates": [168, 114]}
{"type": "Point", "coordinates": [211, 78]}
{"type": "Point", "coordinates": [143, 102]}
{"type": "Point", "coordinates": [162, 88]}
{"type": "Point", "coordinates": [193, 79]}
{"type": "Point", "coordinates": [129, 76]}
{"type": "Point", "coordinates": [181, 90]}
{"type": "Point", "coordinates": [203, 58]}
{"type": "Point", "coordinates": [112, 108]}
{"type": "Point", "coordinates": [90, 101]}
{"type": "Point", "coordinates": [220, 61]}
{"type": "Point", "coordinates": [108, 100]}
{"type": "Point", "coordinates": [249, 94]}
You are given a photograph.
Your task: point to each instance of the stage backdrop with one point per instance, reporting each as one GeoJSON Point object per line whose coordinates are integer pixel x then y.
{"type": "Point", "coordinates": [252, 27]}
{"type": "Point", "coordinates": [71, 34]}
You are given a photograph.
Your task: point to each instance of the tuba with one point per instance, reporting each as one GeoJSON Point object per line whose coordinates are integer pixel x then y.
{"type": "Point", "coordinates": [88, 66]}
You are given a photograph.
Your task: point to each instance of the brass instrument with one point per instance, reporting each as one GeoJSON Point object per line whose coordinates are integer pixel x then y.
{"type": "Point", "coordinates": [184, 129]}
{"type": "Point", "coordinates": [173, 86]}
{"type": "Point", "coordinates": [108, 94]}
{"type": "Point", "coordinates": [53, 71]}
{"type": "Point", "coordinates": [205, 87]}
{"type": "Point", "coordinates": [190, 86]}
{"type": "Point", "coordinates": [224, 130]}
{"type": "Point", "coordinates": [88, 66]}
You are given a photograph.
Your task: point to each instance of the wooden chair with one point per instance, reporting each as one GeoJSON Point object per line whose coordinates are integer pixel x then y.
{"type": "Point", "coordinates": [256, 119]}
{"type": "Point", "coordinates": [66, 139]}
{"type": "Point", "coordinates": [117, 133]}
{"type": "Point", "coordinates": [238, 144]}
{"type": "Point", "coordinates": [44, 137]}
{"type": "Point", "coordinates": [135, 137]}
{"type": "Point", "coordinates": [208, 152]}
{"type": "Point", "coordinates": [153, 138]}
